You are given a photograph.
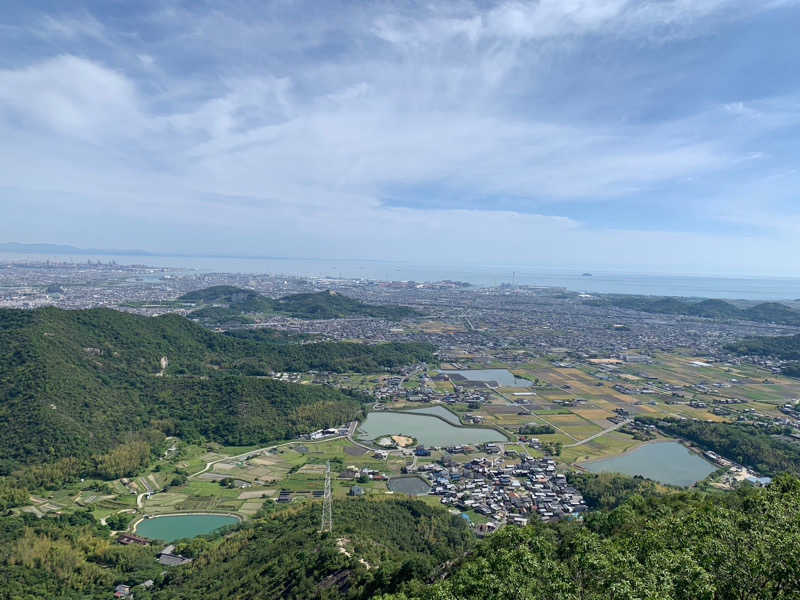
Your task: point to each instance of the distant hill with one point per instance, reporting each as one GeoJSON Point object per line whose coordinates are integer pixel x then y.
{"type": "Point", "coordinates": [332, 305]}
{"type": "Point", "coordinates": [18, 248]}
{"type": "Point", "coordinates": [784, 347]}
{"type": "Point", "coordinates": [766, 312]}
{"type": "Point", "coordinates": [73, 383]}
{"type": "Point", "coordinates": [233, 303]}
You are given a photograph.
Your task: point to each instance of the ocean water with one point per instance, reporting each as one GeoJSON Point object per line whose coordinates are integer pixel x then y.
{"type": "Point", "coordinates": [601, 282]}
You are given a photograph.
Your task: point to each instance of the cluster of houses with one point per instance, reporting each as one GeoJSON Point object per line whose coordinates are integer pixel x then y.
{"type": "Point", "coordinates": [510, 494]}
{"type": "Point", "coordinates": [366, 474]}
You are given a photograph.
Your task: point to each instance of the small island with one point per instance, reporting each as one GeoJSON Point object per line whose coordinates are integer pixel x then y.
{"type": "Point", "coordinates": [395, 441]}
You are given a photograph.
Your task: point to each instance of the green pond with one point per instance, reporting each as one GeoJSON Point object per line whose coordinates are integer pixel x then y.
{"type": "Point", "coordinates": [667, 462]}
{"type": "Point", "coordinates": [426, 429]}
{"type": "Point", "coordinates": [503, 377]}
{"type": "Point", "coordinates": [176, 527]}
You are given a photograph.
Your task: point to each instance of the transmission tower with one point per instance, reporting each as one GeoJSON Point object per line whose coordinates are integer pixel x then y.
{"type": "Point", "coordinates": [327, 504]}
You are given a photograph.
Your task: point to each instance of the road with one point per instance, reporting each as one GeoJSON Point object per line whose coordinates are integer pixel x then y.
{"type": "Point", "coordinates": [597, 435]}
{"type": "Point", "coordinates": [351, 428]}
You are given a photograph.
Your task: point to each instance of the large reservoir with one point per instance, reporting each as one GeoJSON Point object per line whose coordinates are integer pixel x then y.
{"type": "Point", "coordinates": [667, 462]}
{"type": "Point", "coordinates": [176, 527]}
{"type": "Point", "coordinates": [426, 429]}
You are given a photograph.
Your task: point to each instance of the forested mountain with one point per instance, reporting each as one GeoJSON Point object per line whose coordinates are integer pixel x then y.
{"type": "Point", "coordinates": [75, 383]}
{"type": "Point", "coordinates": [766, 312]}
{"type": "Point", "coordinates": [229, 303]}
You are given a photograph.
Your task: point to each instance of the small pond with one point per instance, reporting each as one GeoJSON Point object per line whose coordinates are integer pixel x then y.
{"type": "Point", "coordinates": [503, 377]}
{"type": "Point", "coordinates": [413, 486]}
{"type": "Point", "coordinates": [426, 429]}
{"type": "Point", "coordinates": [176, 527]}
{"type": "Point", "coordinates": [667, 462]}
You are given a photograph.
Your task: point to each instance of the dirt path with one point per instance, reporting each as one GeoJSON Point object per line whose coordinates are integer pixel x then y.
{"type": "Point", "coordinates": [597, 435]}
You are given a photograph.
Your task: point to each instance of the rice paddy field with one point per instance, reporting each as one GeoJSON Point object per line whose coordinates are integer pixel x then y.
{"type": "Point", "coordinates": [578, 400]}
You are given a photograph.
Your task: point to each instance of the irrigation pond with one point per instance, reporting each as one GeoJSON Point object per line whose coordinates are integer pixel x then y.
{"type": "Point", "coordinates": [175, 527]}
{"type": "Point", "coordinates": [428, 430]}
{"type": "Point", "coordinates": [667, 462]}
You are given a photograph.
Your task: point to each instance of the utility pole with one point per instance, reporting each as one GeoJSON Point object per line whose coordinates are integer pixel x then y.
{"type": "Point", "coordinates": [327, 504]}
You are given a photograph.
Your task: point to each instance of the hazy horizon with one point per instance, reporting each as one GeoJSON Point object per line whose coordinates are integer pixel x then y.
{"type": "Point", "coordinates": [476, 272]}
{"type": "Point", "coordinates": [644, 137]}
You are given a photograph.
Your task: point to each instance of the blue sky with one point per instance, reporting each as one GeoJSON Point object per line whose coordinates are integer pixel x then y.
{"type": "Point", "coordinates": [656, 136]}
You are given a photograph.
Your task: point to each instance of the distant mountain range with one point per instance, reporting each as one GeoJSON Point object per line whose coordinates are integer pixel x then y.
{"type": "Point", "coordinates": [55, 249]}
{"type": "Point", "coordinates": [18, 248]}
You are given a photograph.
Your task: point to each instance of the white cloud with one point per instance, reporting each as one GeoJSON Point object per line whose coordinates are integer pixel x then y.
{"type": "Point", "coordinates": [72, 96]}
{"type": "Point", "coordinates": [228, 121]}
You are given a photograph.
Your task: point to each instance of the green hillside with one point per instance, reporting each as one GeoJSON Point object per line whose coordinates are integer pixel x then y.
{"type": "Point", "coordinates": [238, 298]}
{"type": "Point", "coordinates": [766, 312]}
{"type": "Point", "coordinates": [332, 305]}
{"type": "Point", "coordinates": [283, 556]}
{"type": "Point", "coordinates": [224, 303]}
{"type": "Point", "coordinates": [679, 546]}
{"type": "Point", "coordinates": [73, 383]}
{"type": "Point", "coordinates": [276, 556]}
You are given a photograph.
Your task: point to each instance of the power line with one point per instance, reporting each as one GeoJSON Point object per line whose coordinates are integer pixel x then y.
{"type": "Point", "coordinates": [327, 504]}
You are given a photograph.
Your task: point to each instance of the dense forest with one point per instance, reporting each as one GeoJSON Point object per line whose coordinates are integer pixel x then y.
{"type": "Point", "coordinates": [608, 490]}
{"type": "Point", "coordinates": [785, 347]}
{"type": "Point", "coordinates": [78, 383]}
{"type": "Point", "coordinates": [684, 546]}
{"type": "Point", "coordinates": [747, 445]}
{"type": "Point", "coordinates": [766, 312]}
{"type": "Point", "coordinates": [377, 546]}
{"type": "Point", "coordinates": [675, 546]}
{"type": "Point", "coordinates": [70, 557]}
{"type": "Point", "coordinates": [225, 303]}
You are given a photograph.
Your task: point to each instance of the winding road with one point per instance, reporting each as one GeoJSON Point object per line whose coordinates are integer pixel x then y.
{"type": "Point", "coordinates": [351, 428]}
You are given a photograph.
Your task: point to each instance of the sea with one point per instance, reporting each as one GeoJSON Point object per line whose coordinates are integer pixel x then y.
{"type": "Point", "coordinates": [596, 282]}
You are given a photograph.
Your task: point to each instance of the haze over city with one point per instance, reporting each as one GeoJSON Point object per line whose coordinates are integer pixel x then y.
{"type": "Point", "coordinates": [649, 136]}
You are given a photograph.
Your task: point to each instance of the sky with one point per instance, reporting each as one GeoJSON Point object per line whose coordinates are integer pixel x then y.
{"type": "Point", "coordinates": [658, 136]}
